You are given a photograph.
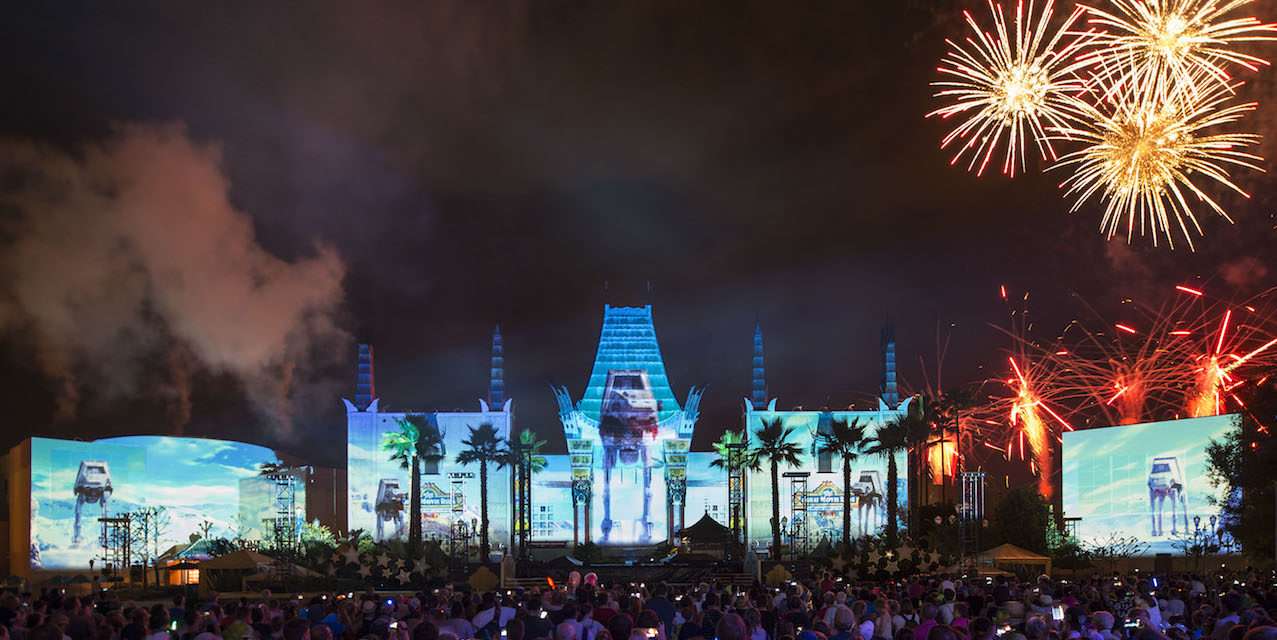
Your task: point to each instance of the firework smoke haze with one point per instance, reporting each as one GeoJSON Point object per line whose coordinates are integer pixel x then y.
{"type": "Point", "coordinates": [128, 256]}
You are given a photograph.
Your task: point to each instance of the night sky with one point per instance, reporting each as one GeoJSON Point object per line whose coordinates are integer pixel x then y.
{"type": "Point", "coordinates": [414, 173]}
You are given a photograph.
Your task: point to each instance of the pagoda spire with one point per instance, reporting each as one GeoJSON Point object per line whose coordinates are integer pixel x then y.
{"type": "Point", "coordinates": [758, 395]}
{"type": "Point", "coordinates": [890, 395]}
{"type": "Point", "coordinates": [365, 380]}
{"type": "Point", "coordinates": [496, 372]}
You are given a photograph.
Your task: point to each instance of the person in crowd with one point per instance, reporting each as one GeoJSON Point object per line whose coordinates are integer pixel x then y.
{"type": "Point", "coordinates": [296, 629]}
{"type": "Point", "coordinates": [927, 617]}
{"type": "Point", "coordinates": [536, 619]}
{"type": "Point", "coordinates": [660, 603]}
{"type": "Point", "coordinates": [1238, 606]}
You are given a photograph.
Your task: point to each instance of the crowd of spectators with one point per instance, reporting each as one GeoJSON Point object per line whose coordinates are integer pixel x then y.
{"type": "Point", "coordinates": [1133, 607]}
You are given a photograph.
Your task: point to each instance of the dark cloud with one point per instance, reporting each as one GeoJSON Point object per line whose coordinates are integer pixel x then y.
{"type": "Point", "coordinates": [129, 250]}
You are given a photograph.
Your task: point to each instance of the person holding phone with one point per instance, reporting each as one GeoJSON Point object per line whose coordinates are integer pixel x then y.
{"type": "Point", "coordinates": [536, 619]}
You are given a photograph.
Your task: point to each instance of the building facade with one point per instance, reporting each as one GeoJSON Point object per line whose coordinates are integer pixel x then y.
{"type": "Point", "coordinates": [629, 477]}
{"type": "Point", "coordinates": [450, 493]}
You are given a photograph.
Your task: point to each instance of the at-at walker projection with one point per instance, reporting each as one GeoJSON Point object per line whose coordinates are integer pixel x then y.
{"type": "Point", "coordinates": [92, 486]}
{"type": "Point", "coordinates": [628, 422]}
{"type": "Point", "coordinates": [389, 508]}
{"type": "Point", "coordinates": [867, 490]}
{"type": "Point", "coordinates": [1165, 480]}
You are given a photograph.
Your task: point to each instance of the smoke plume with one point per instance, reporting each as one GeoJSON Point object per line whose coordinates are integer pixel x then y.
{"type": "Point", "coordinates": [132, 270]}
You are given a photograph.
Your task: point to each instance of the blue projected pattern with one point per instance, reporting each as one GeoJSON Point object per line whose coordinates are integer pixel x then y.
{"type": "Point", "coordinates": [379, 487]}
{"type": "Point", "coordinates": [823, 498]}
{"type": "Point", "coordinates": [552, 495]}
{"type": "Point", "coordinates": [628, 341]}
{"type": "Point", "coordinates": [625, 425]}
{"type": "Point", "coordinates": [1146, 481]}
{"type": "Point", "coordinates": [193, 479]}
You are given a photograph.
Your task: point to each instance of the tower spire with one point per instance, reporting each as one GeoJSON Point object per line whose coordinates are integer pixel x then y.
{"type": "Point", "coordinates": [365, 380]}
{"type": "Point", "coordinates": [758, 395]}
{"type": "Point", "coordinates": [890, 395]}
{"type": "Point", "coordinates": [496, 372]}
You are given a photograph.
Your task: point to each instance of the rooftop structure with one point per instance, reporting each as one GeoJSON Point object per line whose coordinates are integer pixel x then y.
{"type": "Point", "coordinates": [627, 343]}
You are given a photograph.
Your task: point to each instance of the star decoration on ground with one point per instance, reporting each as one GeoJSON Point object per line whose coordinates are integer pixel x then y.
{"type": "Point", "coordinates": [365, 571]}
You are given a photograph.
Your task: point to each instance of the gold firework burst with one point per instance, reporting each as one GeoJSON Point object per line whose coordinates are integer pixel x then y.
{"type": "Point", "coordinates": [1147, 154]}
{"type": "Point", "coordinates": [1011, 84]}
{"type": "Point", "coordinates": [1165, 46]}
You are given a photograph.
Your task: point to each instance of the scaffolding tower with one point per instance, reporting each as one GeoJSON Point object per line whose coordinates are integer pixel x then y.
{"type": "Point", "coordinates": [970, 511]}
{"type": "Point", "coordinates": [459, 532]}
{"type": "Point", "coordinates": [116, 539]}
{"type": "Point", "coordinates": [736, 490]}
{"type": "Point", "coordinates": [282, 525]}
{"type": "Point", "coordinates": [523, 497]}
{"type": "Point", "coordinates": [797, 512]}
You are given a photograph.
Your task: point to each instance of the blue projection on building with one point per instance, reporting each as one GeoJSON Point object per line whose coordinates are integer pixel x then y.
{"type": "Point", "coordinates": [628, 438]}
{"type": "Point", "coordinates": [378, 487]}
{"type": "Point", "coordinates": [816, 500]}
{"type": "Point", "coordinates": [629, 476]}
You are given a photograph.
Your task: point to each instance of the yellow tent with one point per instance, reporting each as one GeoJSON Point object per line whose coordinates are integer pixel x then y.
{"type": "Point", "coordinates": [1007, 555]}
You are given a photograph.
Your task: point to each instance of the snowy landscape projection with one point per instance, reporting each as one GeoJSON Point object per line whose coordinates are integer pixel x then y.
{"type": "Point", "coordinates": [193, 479]}
{"type": "Point", "coordinates": [1146, 481]}
{"type": "Point", "coordinates": [374, 479]}
{"type": "Point", "coordinates": [822, 500]}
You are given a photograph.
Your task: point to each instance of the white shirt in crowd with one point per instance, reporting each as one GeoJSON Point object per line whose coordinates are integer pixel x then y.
{"type": "Point", "coordinates": [482, 618]}
{"type": "Point", "coordinates": [867, 628]}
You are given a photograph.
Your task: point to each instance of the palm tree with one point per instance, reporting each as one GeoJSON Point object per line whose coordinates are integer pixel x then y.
{"type": "Point", "coordinates": [417, 441]}
{"type": "Point", "coordinates": [945, 413]}
{"type": "Point", "coordinates": [890, 439]}
{"type": "Point", "coordinates": [483, 446]}
{"type": "Point", "coordinates": [513, 457]}
{"type": "Point", "coordinates": [775, 446]}
{"type": "Point", "coordinates": [747, 459]}
{"type": "Point", "coordinates": [733, 449]}
{"type": "Point", "coordinates": [844, 439]}
{"type": "Point", "coordinates": [271, 468]}
{"type": "Point", "coordinates": [919, 426]}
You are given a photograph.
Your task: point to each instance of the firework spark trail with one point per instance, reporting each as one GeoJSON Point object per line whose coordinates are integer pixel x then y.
{"type": "Point", "coordinates": [1009, 82]}
{"type": "Point", "coordinates": [1139, 91]}
{"type": "Point", "coordinates": [1029, 426]}
{"type": "Point", "coordinates": [1185, 357]}
{"type": "Point", "coordinates": [1144, 368]}
{"type": "Point", "coordinates": [1240, 345]}
{"type": "Point", "coordinates": [1205, 399]}
{"type": "Point", "coordinates": [1168, 46]}
{"type": "Point", "coordinates": [1128, 372]}
{"type": "Point", "coordinates": [1026, 409]}
{"type": "Point", "coordinates": [1146, 157]}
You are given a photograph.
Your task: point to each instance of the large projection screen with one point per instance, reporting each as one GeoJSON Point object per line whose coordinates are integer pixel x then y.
{"type": "Point", "coordinates": [1147, 481]}
{"type": "Point", "coordinates": [193, 479]}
